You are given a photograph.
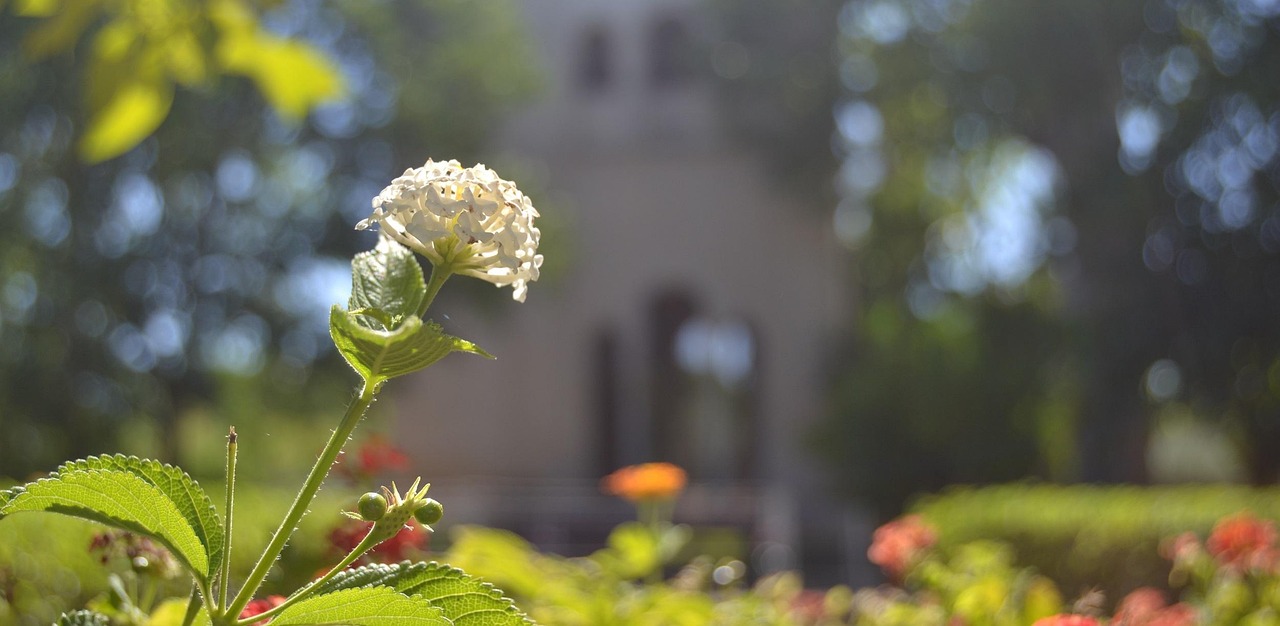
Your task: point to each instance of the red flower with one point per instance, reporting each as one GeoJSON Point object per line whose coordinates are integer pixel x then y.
{"type": "Point", "coordinates": [346, 536]}
{"type": "Point", "coordinates": [1242, 541]}
{"type": "Point", "coordinates": [1064, 619]}
{"type": "Point", "coordinates": [260, 606]}
{"type": "Point", "coordinates": [898, 544]}
{"type": "Point", "coordinates": [374, 457]}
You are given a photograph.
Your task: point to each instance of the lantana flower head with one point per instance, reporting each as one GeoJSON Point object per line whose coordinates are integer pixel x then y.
{"type": "Point", "coordinates": [897, 545]}
{"type": "Point", "coordinates": [466, 220]}
{"type": "Point", "coordinates": [647, 481]}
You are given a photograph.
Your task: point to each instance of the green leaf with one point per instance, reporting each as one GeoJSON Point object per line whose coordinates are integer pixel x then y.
{"type": "Point", "coordinates": [465, 599]}
{"type": "Point", "coordinates": [632, 551]}
{"type": "Point", "coordinates": [116, 498]}
{"type": "Point", "coordinates": [66, 22]}
{"type": "Point", "coordinates": [370, 606]}
{"type": "Point", "coordinates": [388, 279]}
{"type": "Point", "coordinates": [83, 618]}
{"type": "Point", "coordinates": [379, 355]}
{"type": "Point", "coordinates": [133, 110]}
{"type": "Point", "coordinates": [192, 501]}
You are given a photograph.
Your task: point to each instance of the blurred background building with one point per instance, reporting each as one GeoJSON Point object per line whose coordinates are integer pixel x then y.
{"type": "Point", "coordinates": [691, 326]}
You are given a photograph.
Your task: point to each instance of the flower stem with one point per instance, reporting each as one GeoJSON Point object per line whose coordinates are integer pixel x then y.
{"type": "Point", "coordinates": [318, 473]}
{"type": "Point", "coordinates": [193, 607]}
{"type": "Point", "coordinates": [225, 577]}
{"type": "Point", "coordinates": [434, 283]}
{"type": "Point", "coordinates": [365, 545]}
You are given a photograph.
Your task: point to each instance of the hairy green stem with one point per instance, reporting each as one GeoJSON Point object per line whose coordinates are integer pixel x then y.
{"type": "Point", "coordinates": [434, 283]}
{"type": "Point", "coordinates": [225, 577]}
{"type": "Point", "coordinates": [365, 545]}
{"type": "Point", "coordinates": [318, 473]}
{"type": "Point", "coordinates": [193, 607]}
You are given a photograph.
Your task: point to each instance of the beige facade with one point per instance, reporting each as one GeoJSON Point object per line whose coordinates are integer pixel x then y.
{"type": "Point", "coordinates": [690, 320]}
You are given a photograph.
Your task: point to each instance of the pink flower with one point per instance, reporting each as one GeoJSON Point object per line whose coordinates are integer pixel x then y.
{"type": "Point", "coordinates": [1139, 607]}
{"type": "Point", "coordinates": [1181, 548]}
{"type": "Point", "coordinates": [897, 545]}
{"type": "Point", "coordinates": [1064, 619]}
{"type": "Point", "coordinates": [1145, 606]}
{"type": "Point", "coordinates": [1177, 615]}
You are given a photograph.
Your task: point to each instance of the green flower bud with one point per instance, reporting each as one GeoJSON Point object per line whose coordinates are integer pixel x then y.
{"type": "Point", "coordinates": [372, 506]}
{"type": "Point", "coordinates": [429, 512]}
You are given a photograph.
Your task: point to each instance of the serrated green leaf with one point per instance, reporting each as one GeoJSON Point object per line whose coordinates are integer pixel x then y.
{"type": "Point", "coordinates": [83, 618]}
{"type": "Point", "coordinates": [388, 279]}
{"type": "Point", "coordinates": [120, 499]}
{"type": "Point", "coordinates": [192, 501]}
{"type": "Point", "coordinates": [379, 355]}
{"type": "Point", "coordinates": [366, 606]}
{"type": "Point", "coordinates": [464, 599]}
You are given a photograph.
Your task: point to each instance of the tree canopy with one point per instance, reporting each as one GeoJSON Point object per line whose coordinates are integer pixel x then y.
{"type": "Point", "coordinates": [1063, 221]}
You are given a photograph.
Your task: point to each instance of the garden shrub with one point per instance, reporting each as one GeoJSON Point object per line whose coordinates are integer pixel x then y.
{"type": "Point", "coordinates": [1086, 536]}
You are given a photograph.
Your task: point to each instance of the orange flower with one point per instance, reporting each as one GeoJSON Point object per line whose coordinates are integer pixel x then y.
{"type": "Point", "coordinates": [1242, 541]}
{"type": "Point", "coordinates": [1064, 619]}
{"type": "Point", "coordinates": [896, 545]}
{"type": "Point", "coordinates": [647, 481]}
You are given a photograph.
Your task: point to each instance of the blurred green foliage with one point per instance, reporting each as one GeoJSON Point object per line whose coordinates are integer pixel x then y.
{"type": "Point", "coordinates": [1062, 216]}
{"type": "Point", "coordinates": [192, 275]}
{"type": "Point", "coordinates": [138, 53]}
{"type": "Point", "coordinates": [1084, 536]}
{"type": "Point", "coordinates": [605, 587]}
{"type": "Point", "coordinates": [974, 583]}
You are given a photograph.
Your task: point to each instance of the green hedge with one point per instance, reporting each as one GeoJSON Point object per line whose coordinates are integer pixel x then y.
{"type": "Point", "coordinates": [1090, 536]}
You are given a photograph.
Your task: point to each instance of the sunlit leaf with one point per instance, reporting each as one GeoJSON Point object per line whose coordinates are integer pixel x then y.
{"type": "Point", "coordinates": [389, 279]}
{"type": "Point", "coordinates": [465, 599]}
{"type": "Point", "coordinates": [115, 498]}
{"type": "Point", "coordinates": [292, 75]}
{"type": "Point", "coordinates": [36, 8]}
{"type": "Point", "coordinates": [380, 355]}
{"type": "Point", "coordinates": [373, 606]}
{"type": "Point", "coordinates": [184, 58]}
{"type": "Point", "coordinates": [190, 499]}
{"type": "Point", "coordinates": [132, 111]}
{"type": "Point", "coordinates": [64, 26]}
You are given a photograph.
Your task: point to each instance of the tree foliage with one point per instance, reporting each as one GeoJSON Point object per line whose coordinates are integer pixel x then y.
{"type": "Point", "coordinates": [1063, 219]}
{"type": "Point", "coordinates": [213, 248]}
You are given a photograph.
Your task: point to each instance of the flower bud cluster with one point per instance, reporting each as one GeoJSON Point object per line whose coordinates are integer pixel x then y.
{"type": "Point", "coordinates": [390, 512]}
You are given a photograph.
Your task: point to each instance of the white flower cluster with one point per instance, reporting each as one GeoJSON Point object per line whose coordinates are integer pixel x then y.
{"type": "Point", "coordinates": [466, 220]}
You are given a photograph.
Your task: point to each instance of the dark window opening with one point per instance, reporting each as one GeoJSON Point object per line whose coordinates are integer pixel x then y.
{"type": "Point", "coordinates": [595, 61]}
{"type": "Point", "coordinates": [670, 53]}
